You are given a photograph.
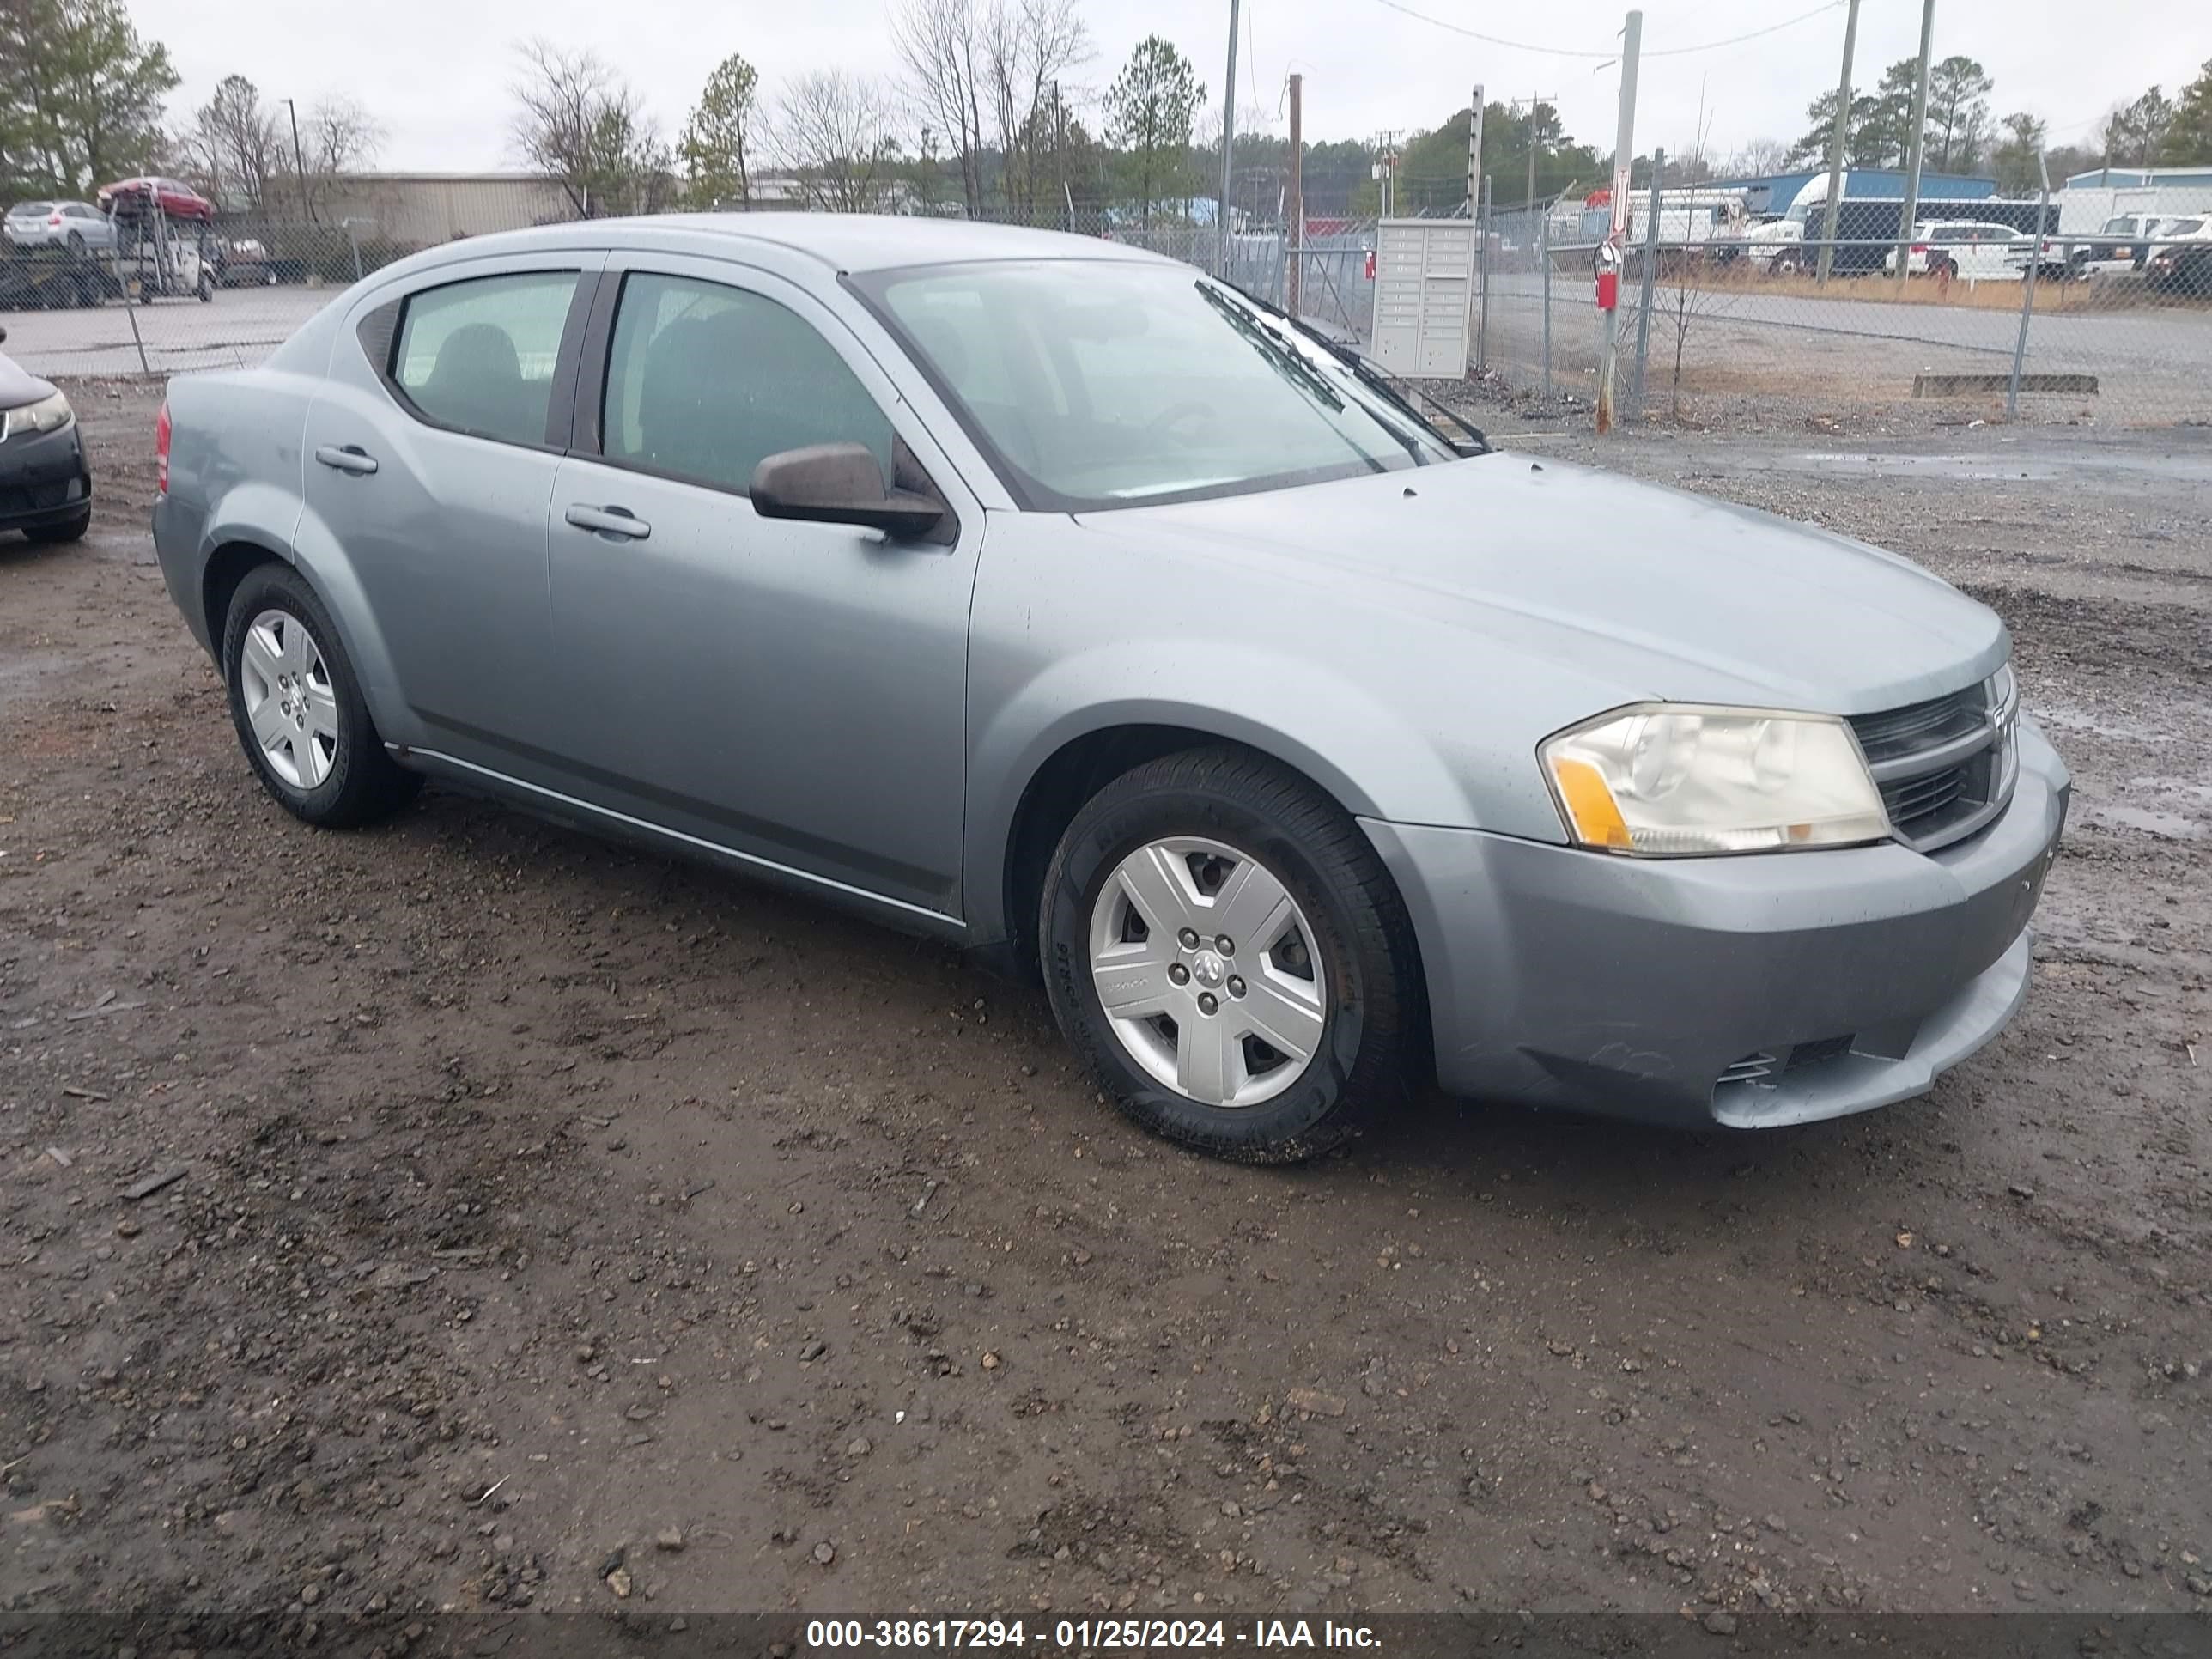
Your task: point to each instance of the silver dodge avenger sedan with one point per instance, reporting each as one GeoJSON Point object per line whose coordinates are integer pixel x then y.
{"type": "Point", "coordinates": [1050, 598]}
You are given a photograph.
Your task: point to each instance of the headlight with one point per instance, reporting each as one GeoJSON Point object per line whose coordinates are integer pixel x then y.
{"type": "Point", "coordinates": [1672, 779]}
{"type": "Point", "coordinates": [47, 415]}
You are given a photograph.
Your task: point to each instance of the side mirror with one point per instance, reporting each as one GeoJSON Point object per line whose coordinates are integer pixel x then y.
{"type": "Point", "coordinates": [840, 484]}
{"type": "Point", "coordinates": [4, 334]}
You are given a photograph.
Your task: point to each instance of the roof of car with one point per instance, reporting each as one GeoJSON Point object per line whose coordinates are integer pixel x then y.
{"type": "Point", "coordinates": [854, 241]}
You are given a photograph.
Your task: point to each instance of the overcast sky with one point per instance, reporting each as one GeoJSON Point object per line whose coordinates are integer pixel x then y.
{"type": "Point", "coordinates": [436, 72]}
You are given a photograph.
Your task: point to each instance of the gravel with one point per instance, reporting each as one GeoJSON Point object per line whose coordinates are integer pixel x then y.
{"type": "Point", "coordinates": [442, 1314]}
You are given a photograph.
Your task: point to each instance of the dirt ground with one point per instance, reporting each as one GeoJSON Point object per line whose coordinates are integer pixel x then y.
{"type": "Point", "coordinates": [556, 1222]}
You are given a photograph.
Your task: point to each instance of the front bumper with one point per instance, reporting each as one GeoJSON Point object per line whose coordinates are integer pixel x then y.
{"type": "Point", "coordinates": [43, 479]}
{"type": "Point", "coordinates": [1816, 984]}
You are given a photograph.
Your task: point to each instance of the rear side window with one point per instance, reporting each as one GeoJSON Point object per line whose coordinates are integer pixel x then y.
{"type": "Point", "coordinates": [705, 381]}
{"type": "Point", "coordinates": [479, 354]}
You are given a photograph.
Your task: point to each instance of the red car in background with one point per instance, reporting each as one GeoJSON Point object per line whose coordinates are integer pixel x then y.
{"type": "Point", "coordinates": [126, 197]}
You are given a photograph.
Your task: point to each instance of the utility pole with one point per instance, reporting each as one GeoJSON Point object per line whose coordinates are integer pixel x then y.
{"type": "Point", "coordinates": [1836, 145]}
{"type": "Point", "coordinates": [1624, 154]}
{"type": "Point", "coordinates": [1919, 140]}
{"type": "Point", "coordinates": [1297, 226]}
{"type": "Point", "coordinates": [299, 160]}
{"type": "Point", "coordinates": [1060, 146]}
{"type": "Point", "coordinates": [1475, 155]}
{"type": "Point", "coordinates": [1228, 148]}
{"type": "Point", "coordinates": [1535, 140]}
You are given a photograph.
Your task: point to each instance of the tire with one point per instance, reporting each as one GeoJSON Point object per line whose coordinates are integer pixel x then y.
{"type": "Point", "coordinates": [1342, 975]}
{"type": "Point", "coordinates": [330, 768]}
{"type": "Point", "coordinates": [1785, 264]}
{"type": "Point", "coordinates": [69, 530]}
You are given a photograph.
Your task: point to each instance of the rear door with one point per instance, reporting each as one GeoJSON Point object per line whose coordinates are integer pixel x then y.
{"type": "Point", "coordinates": [430, 454]}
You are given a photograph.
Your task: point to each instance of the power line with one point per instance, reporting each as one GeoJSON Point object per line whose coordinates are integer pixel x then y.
{"type": "Point", "coordinates": [1605, 56]}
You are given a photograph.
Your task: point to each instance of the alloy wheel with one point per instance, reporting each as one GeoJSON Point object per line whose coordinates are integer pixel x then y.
{"type": "Point", "coordinates": [289, 701]}
{"type": "Point", "coordinates": [1206, 970]}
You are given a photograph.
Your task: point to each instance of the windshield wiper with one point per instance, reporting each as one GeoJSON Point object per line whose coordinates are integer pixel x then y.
{"type": "Point", "coordinates": [1279, 351]}
{"type": "Point", "coordinates": [1373, 378]}
{"type": "Point", "coordinates": [1291, 362]}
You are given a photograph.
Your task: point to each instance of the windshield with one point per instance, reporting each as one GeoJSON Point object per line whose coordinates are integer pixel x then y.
{"type": "Point", "coordinates": [1097, 383]}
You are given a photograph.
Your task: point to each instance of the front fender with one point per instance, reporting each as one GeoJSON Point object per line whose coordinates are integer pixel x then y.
{"type": "Point", "coordinates": [1324, 724]}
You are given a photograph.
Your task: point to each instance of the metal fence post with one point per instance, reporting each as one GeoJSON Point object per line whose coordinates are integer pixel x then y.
{"type": "Point", "coordinates": [2027, 289]}
{"type": "Point", "coordinates": [1544, 250]}
{"type": "Point", "coordinates": [1482, 265]}
{"type": "Point", "coordinates": [1650, 275]}
{"type": "Point", "coordinates": [130, 310]}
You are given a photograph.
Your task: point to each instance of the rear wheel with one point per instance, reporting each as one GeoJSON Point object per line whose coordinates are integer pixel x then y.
{"type": "Point", "coordinates": [1226, 953]}
{"type": "Point", "coordinates": [298, 707]}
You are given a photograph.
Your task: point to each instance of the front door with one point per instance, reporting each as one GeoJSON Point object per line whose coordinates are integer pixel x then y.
{"type": "Point", "coordinates": [795, 693]}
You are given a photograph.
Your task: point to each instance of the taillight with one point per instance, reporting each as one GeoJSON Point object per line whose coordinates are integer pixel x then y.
{"type": "Point", "coordinates": [162, 451]}
{"type": "Point", "coordinates": [55, 219]}
{"type": "Point", "coordinates": [1920, 247]}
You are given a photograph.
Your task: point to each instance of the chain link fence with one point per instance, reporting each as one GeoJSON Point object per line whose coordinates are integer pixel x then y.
{"type": "Point", "coordinates": [1734, 332]}
{"type": "Point", "coordinates": [1743, 333]}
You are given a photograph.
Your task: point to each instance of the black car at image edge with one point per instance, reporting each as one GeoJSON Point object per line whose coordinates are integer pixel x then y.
{"type": "Point", "coordinates": [46, 488]}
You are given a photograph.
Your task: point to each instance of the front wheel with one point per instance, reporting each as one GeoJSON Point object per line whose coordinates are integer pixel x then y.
{"type": "Point", "coordinates": [1226, 953]}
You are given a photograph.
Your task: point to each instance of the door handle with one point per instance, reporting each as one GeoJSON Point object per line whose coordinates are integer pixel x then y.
{"type": "Point", "coordinates": [349, 458]}
{"type": "Point", "coordinates": [616, 521]}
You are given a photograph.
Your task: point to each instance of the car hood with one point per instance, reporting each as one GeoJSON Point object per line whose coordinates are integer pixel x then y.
{"type": "Point", "coordinates": [18, 385]}
{"type": "Point", "coordinates": [1661, 592]}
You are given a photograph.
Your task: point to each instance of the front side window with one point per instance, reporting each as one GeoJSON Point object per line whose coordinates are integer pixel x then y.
{"type": "Point", "coordinates": [1098, 383]}
{"type": "Point", "coordinates": [704, 381]}
{"type": "Point", "coordinates": [479, 354]}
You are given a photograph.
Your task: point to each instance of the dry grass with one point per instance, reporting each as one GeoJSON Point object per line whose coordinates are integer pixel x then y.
{"type": "Point", "coordinates": [1998, 296]}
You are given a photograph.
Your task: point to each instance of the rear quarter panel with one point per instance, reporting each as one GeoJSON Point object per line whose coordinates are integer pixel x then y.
{"type": "Point", "coordinates": [235, 475]}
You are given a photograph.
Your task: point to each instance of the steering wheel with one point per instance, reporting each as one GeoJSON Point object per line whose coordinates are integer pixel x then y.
{"type": "Point", "coordinates": [1176, 414]}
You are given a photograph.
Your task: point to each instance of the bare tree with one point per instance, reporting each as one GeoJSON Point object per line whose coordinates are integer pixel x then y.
{"type": "Point", "coordinates": [1686, 295]}
{"type": "Point", "coordinates": [582, 126]}
{"type": "Point", "coordinates": [232, 147]}
{"type": "Point", "coordinates": [1028, 47]}
{"type": "Point", "coordinates": [1756, 158]}
{"type": "Point", "coordinates": [832, 130]}
{"type": "Point", "coordinates": [336, 136]}
{"type": "Point", "coordinates": [941, 44]}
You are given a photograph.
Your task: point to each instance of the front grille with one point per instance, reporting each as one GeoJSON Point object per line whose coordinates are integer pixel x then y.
{"type": "Point", "coordinates": [1944, 766]}
{"type": "Point", "coordinates": [1898, 733]}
